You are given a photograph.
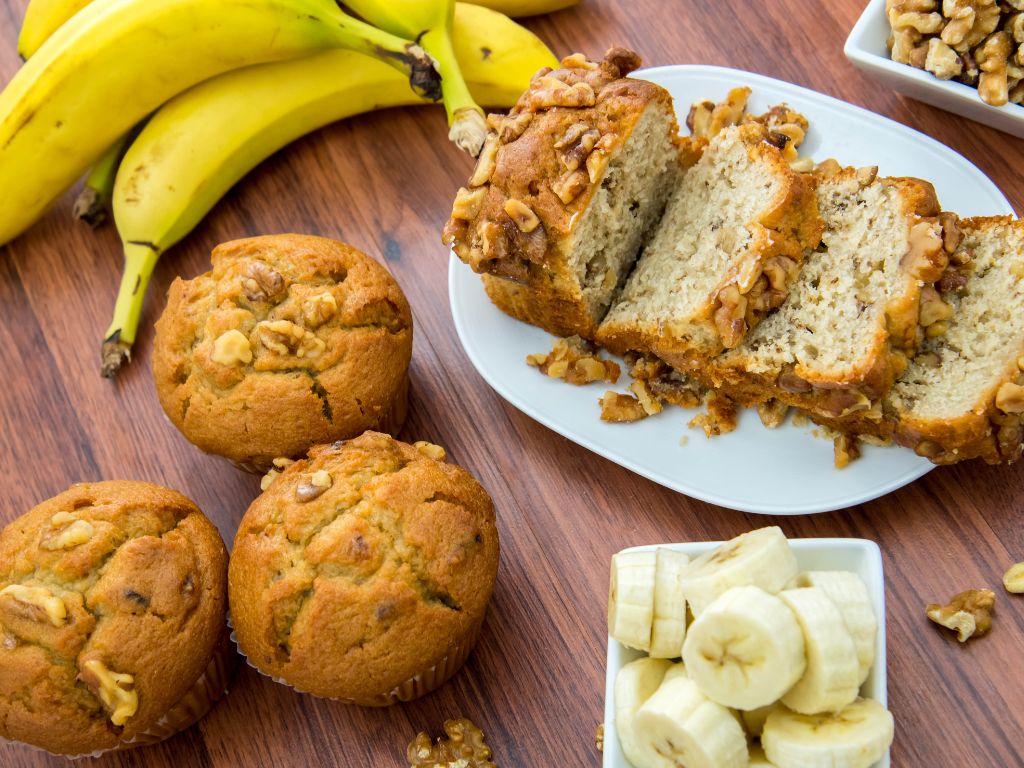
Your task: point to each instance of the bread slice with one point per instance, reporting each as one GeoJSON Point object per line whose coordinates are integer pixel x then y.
{"type": "Point", "coordinates": [851, 320]}
{"type": "Point", "coordinates": [723, 254]}
{"type": "Point", "coordinates": [962, 397]}
{"type": "Point", "coordinates": [566, 186]}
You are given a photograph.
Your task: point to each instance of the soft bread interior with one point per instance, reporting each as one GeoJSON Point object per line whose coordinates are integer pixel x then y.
{"type": "Point", "coordinates": [833, 320]}
{"type": "Point", "coordinates": [628, 201]}
{"type": "Point", "coordinates": [984, 337]}
{"type": "Point", "coordinates": [701, 234]}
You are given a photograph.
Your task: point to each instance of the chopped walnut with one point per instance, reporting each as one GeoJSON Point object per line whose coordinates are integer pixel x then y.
{"type": "Point", "coordinates": [263, 283]}
{"type": "Point", "coordinates": [313, 485]}
{"type": "Point", "coordinates": [1010, 398]}
{"type": "Point", "coordinates": [552, 92]}
{"type": "Point", "coordinates": [650, 403]}
{"type": "Point", "coordinates": [430, 450]}
{"type": "Point", "coordinates": [1013, 579]}
{"type": "Point", "coordinates": [464, 748]}
{"type": "Point", "coordinates": [267, 480]}
{"type": "Point", "coordinates": [730, 316]}
{"type": "Point", "coordinates": [599, 737]}
{"type": "Point", "coordinates": [846, 449]}
{"type": "Point", "coordinates": [707, 119]}
{"type": "Point", "coordinates": [720, 417]}
{"type": "Point", "coordinates": [933, 309]}
{"type": "Point", "coordinates": [926, 257]}
{"type": "Point", "coordinates": [467, 203]}
{"type": "Point", "coordinates": [969, 613]}
{"type": "Point", "coordinates": [992, 57]}
{"type": "Point", "coordinates": [522, 215]}
{"type": "Point", "coordinates": [286, 338]}
{"type": "Point", "coordinates": [69, 532]}
{"type": "Point", "coordinates": [486, 162]}
{"type": "Point", "coordinates": [232, 348]}
{"type": "Point", "coordinates": [576, 361]}
{"type": "Point", "coordinates": [772, 413]}
{"type": "Point", "coordinates": [36, 603]}
{"type": "Point", "coordinates": [319, 309]}
{"type": "Point", "coordinates": [112, 688]}
{"type": "Point", "coordinates": [509, 127]}
{"type": "Point", "coordinates": [569, 185]}
{"type": "Point", "coordinates": [942, 61]}
{"type": "Point", "coordinates": [621, 409]}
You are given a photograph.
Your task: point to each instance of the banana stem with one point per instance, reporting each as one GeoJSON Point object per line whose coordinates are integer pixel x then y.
{"type": "Point", "coordinates": [465, 118]}
{"type": "Point", "coordinates": [404, 55]}
{"type": "Point", "coordinates": [139, 261]}
{"type": "Point", "coordinates": [93, 203]}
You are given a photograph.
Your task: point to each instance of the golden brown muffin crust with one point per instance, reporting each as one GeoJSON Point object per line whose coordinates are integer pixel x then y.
{"type": "Point", "coordinates": [141, 574]}
{"type": "Point", "coordinates": [377, 578]}
{"type": "Point", "coordinates": [289, 341]}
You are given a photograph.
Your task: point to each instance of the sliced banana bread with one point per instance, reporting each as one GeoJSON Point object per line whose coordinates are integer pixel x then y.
{"type": "Point", "coordinates": [962, 397]}
{"type": "Point", "coordinates": [723, 255]}
{"type": "Point", "coordinates": [564, 190]}
{"type": "Point", "coordinates": [853, 317]}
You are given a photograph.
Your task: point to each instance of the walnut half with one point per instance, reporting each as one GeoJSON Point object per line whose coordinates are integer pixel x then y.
{"type": "Point", "coordinates": [465, 747]}
{"type": "Point", "coordinates": [969, 613]}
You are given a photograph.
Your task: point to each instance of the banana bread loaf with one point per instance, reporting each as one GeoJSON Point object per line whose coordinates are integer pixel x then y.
{"type": "Point", "coordinates": [564, 190]}
{"type": "Point", "coordinates": [724, 254]}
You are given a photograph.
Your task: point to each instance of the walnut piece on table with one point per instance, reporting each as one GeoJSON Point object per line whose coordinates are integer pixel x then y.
{"type": "Point", "coordinates": [968, 613]}
{"type": "Point", "coordinates": [1013, 579]}
{"type": "Point", "coordinates": [575, 361]}
{"type": "Point", "coordinates": [464, 748]}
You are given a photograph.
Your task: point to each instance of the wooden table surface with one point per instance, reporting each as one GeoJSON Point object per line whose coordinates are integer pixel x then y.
{"type": "Point", "coordinates": [535, 683]}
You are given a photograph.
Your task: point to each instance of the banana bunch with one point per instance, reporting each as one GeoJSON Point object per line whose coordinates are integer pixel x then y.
{"type": "Point", "coordinates": [199, 67]}
{"type": "Point", "coordinates": [771, 654]}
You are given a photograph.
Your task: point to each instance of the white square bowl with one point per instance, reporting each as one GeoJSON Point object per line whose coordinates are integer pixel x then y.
{"type": "Point", "coordinates": [858, 555]}
{"type": "Point", "coordinates": [866, 49]}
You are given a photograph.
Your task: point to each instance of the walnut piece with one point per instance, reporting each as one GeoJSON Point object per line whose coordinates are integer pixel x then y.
{"type": "Point", "coordinates": [319, 309]}
{"type": "Point", "coordinates": [232, 348]}
{"type": "Point", "coordinates": [313, 485]}
{"type": "Point", "coordinates": [522, 215]}
{"type": "Point", "coordinates": [263, 283]}
{"type": "Point", "coordinates": [430, 450]}
{"type": "Point", "coordinates": [942, 61]}
{"type": "Point", "coordinates": [720, 417]}
{"type": "Point", "coordinates": [846, 449]}
{"type": "Point", "coordinates": [36, 603]}
{"type": "Point", "coordinates": [286, 338]}
{"type": "Point", "coordinates": [569, 185]}
{"type": "Point", "coordinates": [69, 532]}
{"type": "Point", "coordinates": [467, 203]}
{"type": "Point", "coordinates": [576, 361]}
{"type": "Point", "coordinates": [112, 688]}
{"type": "Point", "coordinates": [486, 162]}
{"type": "Point", "coordinates": [1013, 579]}
{"type": "Point", "coordinates": [464, 748]}
{"type": "Point", "coordinates": [599, 737]}
{"type": "Point", "coordinates": [1010, 398]}
{"type": "Point", "coordinates": [621, 409]}
{"type": "Point", "coordinates": [969, 613]}
{"type": "Point", "coordinates": [926, 256]}
{"type": "Point", "coordinates": [730, 315]}
{"type": "Point", "coordinates": [772, 413]}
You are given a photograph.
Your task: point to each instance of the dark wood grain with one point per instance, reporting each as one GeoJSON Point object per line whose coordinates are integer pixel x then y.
{"type": "Point", "coordinates": [535, 684]}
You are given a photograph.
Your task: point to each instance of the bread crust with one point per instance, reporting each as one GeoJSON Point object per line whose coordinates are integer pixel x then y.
{"type": "Point", "coordinates": [283, 400]}
{"type": "Point", "coordinates": [539, 157]}
{"type": "Point", "coordinates": [380, 578]}
{"type": "Point", "coordinates": [144, 586]}
{"type": "Point", "coordinates": [786, 228]}
{"type": "Point", "coordinates": [851, 400]}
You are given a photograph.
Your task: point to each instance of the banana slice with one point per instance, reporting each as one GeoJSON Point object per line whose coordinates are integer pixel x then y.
{"type": "Point", "coordinates": [758, 759]}
{"type": "Point", "coordinates": [753, 719]}
{"type": "Point", "coordinates": [850, 594]}
{"type": "Point", "coordinates": [831, 680]}
{"type": "Point", "coordinates": [690, 730]}
{"type": "Point", "coordinates": [856, 737]}
{"type": "Point", "coordinates": [631, 598]}
{"type": "Point", "coordinates": [762, 558]}
{"type": "Point", "coordinates": [668, 629]}
{"type": "Point", "coordinates": [745, 650]}
{"type": "Point", "coordinates": [634, 684]}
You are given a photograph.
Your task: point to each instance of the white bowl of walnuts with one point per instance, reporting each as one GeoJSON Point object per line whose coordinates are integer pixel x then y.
{"type": "Point", "coordinates": [964, 56]}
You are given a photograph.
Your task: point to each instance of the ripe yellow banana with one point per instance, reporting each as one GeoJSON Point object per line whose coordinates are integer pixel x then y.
{"type": "Point", "coordinates": [430, 23]}
{"type": "Point", "coordinates": [42, 19]}
{"type": "Point", "coordinates": [118, 60]}
{"type": "Point", "coordinates": [517, 8]}
{"type": "Point", "coordinates": [202, 142]}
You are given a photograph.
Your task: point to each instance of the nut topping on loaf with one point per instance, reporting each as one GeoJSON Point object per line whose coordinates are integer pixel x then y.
{"type": "Point", "coordinates": [564, 189]}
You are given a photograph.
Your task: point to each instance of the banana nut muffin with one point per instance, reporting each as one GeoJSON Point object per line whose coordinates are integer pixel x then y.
{"type": "Point", "coordinates": [289, 341]}
{"type": "Point", "coordinates": [112, 618]}
{"type": "Point", "coordinates": [363, 572]}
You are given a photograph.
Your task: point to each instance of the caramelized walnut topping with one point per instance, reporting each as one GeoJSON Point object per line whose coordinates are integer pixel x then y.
{"type": "Point", "coordinates": [112, 688]}
{"type": "Point", "coordinates": [430, 450]}
{"type": "Point", "coordinates": [577, 361]}
{"type": "Point", "coordinates": [969, 613]}
{"type": "Point", "coordinates": [313, 485]}
{"type": "Point", "coordinates": [522, 215]}
{"type": "Point", "coordinates": [720, 417]}
{"type": "Point", "coordinates": [286, 338]}
{"type": "Point", "coordinates": [467, 203]}
{"type": "Point", "coordinates": [772, 413]}
{"type": "Point", "coordinates": [569, 185]}
{"type": "Point", "coordinates": [1010, 398]}
{"type": "Point", "coordinates": [552, 92]}
{"type": "Point", "coordinates": [486, 163]}
{"type": "Point", "coordinates": [36, 604]}
{"type": "Point", "coordinates": [464, 748]}
{"type": "Point", "coordinates": [263, 283]}
{"type": "Point", "coordinates": [509, 127]}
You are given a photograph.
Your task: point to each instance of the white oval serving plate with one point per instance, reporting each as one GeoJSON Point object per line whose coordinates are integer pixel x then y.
{"type": "Point", "coordinates": [785, 471]}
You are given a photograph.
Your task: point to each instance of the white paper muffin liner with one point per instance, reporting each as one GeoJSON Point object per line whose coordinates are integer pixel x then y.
{"type": "Point", "coordinates": [418, 685]}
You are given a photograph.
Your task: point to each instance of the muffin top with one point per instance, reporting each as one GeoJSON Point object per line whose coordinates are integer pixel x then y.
{"type": "Point", "coordinates": [112, 599]}
{"type": "Point", "coordinates": [362, 566]}
{"type": "Point", "coordinates": [289, 341]}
